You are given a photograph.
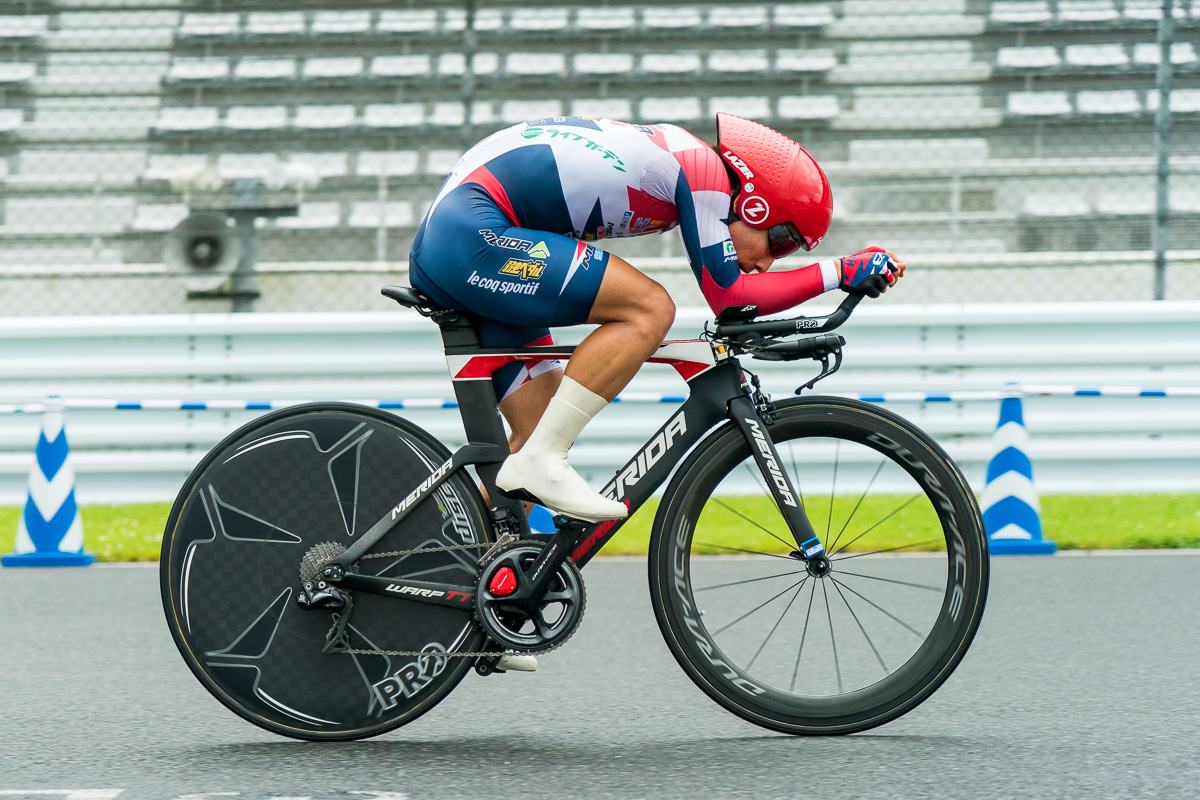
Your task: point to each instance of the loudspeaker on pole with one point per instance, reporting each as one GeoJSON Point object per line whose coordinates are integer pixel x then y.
{"type": "Point", "coordinates": [205, 248]}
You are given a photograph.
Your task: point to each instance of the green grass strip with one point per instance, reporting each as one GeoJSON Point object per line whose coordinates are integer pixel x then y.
{"type": "Point", "coordinates": [1075, 522]}
{"type": "Point", "coordinates": [113, 533]}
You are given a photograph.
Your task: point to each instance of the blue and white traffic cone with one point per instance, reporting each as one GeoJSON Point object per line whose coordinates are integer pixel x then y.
{"type": "Point", "coordinates": [50, 531]}
{"type": "Point", "coordinates": [1011, 512]}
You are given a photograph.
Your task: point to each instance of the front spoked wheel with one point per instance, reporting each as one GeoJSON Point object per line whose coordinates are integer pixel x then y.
{"type": "Point", "coordinates": [832, 645]}
{"type": "Point", "coordinates": [261, 513]}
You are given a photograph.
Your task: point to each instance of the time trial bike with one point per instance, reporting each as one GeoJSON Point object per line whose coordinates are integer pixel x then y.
{"type": "Point", "coordinates": [817, 565]}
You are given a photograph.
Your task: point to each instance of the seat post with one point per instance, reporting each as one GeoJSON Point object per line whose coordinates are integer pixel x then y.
{"type": "Point", "coordinates": [480, 413]}
{"type": "Point", "coordinates": [458, 328]}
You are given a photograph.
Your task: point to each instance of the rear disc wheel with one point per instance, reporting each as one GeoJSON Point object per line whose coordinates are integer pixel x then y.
{"type": "Point", "coordinates": [269, 504]}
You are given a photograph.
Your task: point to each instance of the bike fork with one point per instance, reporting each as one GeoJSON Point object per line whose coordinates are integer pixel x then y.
{"type": "Point", "coordinates": [754, 428]}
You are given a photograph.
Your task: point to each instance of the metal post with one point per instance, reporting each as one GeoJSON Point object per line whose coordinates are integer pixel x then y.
{"type": "Point", "coordinates": [1162, 140]}
{"type": "Point", "coordinates": [243, 285]}
{"type": "Point", "coordinates": [381, 197]}
{"type": "Point", "coordinates": [468, 83]}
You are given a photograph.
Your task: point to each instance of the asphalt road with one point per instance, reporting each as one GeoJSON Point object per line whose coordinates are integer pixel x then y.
{"type": "Point", "coordinates": [1083, 682]}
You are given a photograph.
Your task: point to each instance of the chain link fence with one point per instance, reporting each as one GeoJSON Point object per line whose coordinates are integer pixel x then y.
{"type": "Point", "coordinates": [1009, 150]}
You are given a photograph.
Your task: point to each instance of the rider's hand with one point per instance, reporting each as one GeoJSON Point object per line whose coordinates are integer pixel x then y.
{"type": "Point", "coordinates": [870, 271]}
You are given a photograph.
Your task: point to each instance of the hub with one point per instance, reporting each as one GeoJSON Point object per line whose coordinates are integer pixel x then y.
{"type": "Point", "coordinates": [819, 566]}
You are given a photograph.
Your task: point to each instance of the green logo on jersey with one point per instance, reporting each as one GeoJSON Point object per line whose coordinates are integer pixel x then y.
{"type": "Point", "coordinates": [534, 131]}
{"type": "Point", "coordinates": [539, 250]}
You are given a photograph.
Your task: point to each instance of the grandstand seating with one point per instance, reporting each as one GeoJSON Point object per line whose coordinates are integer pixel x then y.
{"type": "Point", "coordinates": [1083, 13]}
{"type": "Point", "coordinates": [1031, 60]}
{"type": "Point", "coordinates": [514, 22]}
{"type": "Point", "coordinates": [23, 26]}
{"type": "Point", "coordinates": [918, 105]}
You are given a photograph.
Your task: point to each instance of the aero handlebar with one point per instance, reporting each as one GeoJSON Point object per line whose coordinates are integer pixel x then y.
{"type": "Point", "coordinates": [809, 347]}
{"type": "Point", "coordinates": [795, 325]}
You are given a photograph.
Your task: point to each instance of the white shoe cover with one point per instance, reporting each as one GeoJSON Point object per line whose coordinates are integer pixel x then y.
{"type": "Point", "coordinates": [551, 480]}
{"type": "Point", "coordinates": [517, 663]}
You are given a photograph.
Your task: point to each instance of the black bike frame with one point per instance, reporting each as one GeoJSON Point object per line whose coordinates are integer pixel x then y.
{"type": "Point", "coordinates": [718, 391]}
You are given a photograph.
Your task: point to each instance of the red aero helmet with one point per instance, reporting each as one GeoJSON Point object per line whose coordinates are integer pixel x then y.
{"type": "Point", "coordinates": [780, 181]}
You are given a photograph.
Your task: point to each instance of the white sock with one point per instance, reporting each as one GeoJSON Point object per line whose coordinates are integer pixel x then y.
{"type": "Point", "coordinates": [569, 411]}
{"type": "Point", "coordinates": [541, 465]}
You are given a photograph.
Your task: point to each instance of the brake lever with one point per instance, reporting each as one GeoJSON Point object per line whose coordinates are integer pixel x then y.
{"type": "Point", "coordinates": [826, 370]}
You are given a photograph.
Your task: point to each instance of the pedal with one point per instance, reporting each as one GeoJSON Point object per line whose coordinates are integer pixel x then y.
{"type": "Point", "coordinates": [513, 662]}
{"type": "Point", "coordinates": [517, 662]}
{"type": "Point", "coordinates": [571, 524]}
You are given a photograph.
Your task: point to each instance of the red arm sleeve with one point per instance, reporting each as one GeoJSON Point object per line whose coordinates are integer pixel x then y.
{"type": "Point", "coordinates": [772, 292]}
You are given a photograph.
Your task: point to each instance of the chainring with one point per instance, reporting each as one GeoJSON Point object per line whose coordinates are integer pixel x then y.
{"type": "Point", "coordinates": [515, 627]}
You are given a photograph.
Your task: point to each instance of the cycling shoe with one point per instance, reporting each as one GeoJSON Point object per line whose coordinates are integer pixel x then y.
{"type": "Point", "coordinates": [550, 481]}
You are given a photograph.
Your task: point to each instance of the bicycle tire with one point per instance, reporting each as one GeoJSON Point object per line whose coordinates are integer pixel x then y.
{"type": "Point", "coordinates": [229, 573]}
{"type": "Point", "coordinates": [942, 617]}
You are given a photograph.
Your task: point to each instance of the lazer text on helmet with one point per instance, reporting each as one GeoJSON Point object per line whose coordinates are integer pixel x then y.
{"type": "Point", "coordinates": [741, 165]}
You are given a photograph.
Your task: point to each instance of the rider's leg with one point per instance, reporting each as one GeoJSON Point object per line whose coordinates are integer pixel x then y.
{"type": "Point", "coordinates": [634, 314]}
{"type": "Point", "coordinates": [522, 409]}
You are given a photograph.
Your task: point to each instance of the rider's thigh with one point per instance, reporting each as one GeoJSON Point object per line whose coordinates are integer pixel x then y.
{"type": "Point", "coordinates": [477, 260]}
{"type": "Point", "coordinates": [513, 376]}
{"type": "Point", "coordinates": [629, 295]}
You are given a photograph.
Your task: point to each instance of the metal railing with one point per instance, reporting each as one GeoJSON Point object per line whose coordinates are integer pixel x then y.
{"type": "Point", "coordinates": [150, 394]}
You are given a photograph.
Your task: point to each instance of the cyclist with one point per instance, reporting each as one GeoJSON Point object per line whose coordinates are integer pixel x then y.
{"type": "Point", "coordinates": [507, 239]}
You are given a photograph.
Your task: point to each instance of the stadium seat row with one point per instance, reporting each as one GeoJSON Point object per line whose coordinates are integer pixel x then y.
{"type": "Point", "coordinates": [1091, 55]}
{"type": "Point", "coordinates": [405, 214]}
{"type": "Point", "coordinates": [1118, 101]}
{"type": "Point", "coordinates": [1185, 201]}
{"type": "Point", "coordinates": [366, 163]}
{"type": "Point", "coordinates": [320, 214]}
{"type": "Point", "coordinates": [11, 119]}
{"type": "Point", "coordinates": [1068, 11]}
{"type": "Point", "coordinates": [400, 115]}
{"type": "Point", "coordinates": [111, 215]}
{"type": "Point", "coordinates": [650, 109]}
{"type": "Point", "coordinates": [423, 66]}
{"type": "Point", "coordinates": [16, 72]}
{"type": "Point", "coordinates": [23, 26]}
{"type": "Point", "coordinates": [889, 158]}
{"type": "Point", "coordinates": [517, 20]}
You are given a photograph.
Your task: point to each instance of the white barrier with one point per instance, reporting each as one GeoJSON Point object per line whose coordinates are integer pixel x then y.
{"type": "Point", "coordinates": [191, 376]}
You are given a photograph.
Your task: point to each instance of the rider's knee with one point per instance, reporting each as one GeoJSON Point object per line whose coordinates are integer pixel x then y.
{"type": "Point", "coordinates": [658, 312]}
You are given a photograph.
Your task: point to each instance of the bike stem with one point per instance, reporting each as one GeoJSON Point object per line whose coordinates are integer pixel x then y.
{"type": "Point", "coordinates": [754, 428]}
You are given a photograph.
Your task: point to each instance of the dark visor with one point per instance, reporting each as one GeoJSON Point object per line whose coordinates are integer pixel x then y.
{"type": "Point", "coordinates": [782, 241]}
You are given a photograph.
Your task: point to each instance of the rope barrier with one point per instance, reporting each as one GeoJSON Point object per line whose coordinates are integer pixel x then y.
{"type": "Point", "coordinates": [630, 398]}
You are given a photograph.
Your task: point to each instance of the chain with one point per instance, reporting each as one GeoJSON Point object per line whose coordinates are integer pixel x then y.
{"type": "Point", "coordinates": [396, 553]}
{"type": "Point", "coordinates": [429, 653]}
